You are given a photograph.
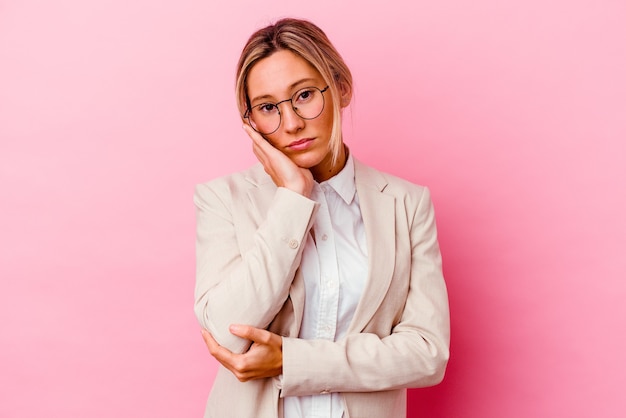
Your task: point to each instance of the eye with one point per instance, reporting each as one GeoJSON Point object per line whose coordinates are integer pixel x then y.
{"type": "Point", "coordinates": [266, 108]}
{"type": "Point", "coordinates": [305, 95]}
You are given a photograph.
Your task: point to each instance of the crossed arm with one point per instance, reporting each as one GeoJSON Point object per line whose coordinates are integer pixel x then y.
{"type": "Point", "coordinates": [415, 354]}
{"type": "Point", "coordinates": [250, 351]}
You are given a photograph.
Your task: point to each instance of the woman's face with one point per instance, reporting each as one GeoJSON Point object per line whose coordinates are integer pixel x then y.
{"type": "Point", "coordinates": [278, 77]}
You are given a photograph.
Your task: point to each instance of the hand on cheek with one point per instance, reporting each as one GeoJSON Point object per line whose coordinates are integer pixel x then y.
{"type": "Point", "coordinates": [283, 171]}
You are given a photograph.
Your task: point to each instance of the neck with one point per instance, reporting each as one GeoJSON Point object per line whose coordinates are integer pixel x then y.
{"type": "Point", "coordinates": [326, 169]}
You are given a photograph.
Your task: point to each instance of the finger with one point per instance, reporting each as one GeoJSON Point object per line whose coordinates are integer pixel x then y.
{"type": "Point", "coordinates": [259, 141]}
{"type": "Point", "coordinates": [210, 342]}
{"type": "Point", "coordinates": [222, 354]}
{"type": "Point", "coordinates": [262, 149]}
{"type": "Point", "coordinates": [244, 331]}
{"type": "Point", "coordinates": [246, 127]}
{"type": "Point", "coordinates": [254, 135]}
{"type": "Point", "coordinates": [260, 154]}
{"type": "Point", "coordinates": [250, 333]}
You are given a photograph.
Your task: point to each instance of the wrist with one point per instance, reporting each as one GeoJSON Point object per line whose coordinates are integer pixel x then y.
{"type": "Point", "coordinates": [302, 189]}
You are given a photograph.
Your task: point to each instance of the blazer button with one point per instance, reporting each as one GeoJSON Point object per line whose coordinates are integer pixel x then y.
{"type": "Point", "coordinates": [293, 243]}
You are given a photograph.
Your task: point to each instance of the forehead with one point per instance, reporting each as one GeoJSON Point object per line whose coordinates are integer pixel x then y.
{"type": "Point", "coordinates": [280, 73]}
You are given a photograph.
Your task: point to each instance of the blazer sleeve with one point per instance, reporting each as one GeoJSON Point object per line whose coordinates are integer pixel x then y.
{"type": "Point", "coordinates": [235, 286]}
{"type": "Point", "coordinates": [415, 353]}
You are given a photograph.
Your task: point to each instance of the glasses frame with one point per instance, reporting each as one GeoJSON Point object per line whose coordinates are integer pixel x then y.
{"type": "Point", "coordinates": [280, 115]}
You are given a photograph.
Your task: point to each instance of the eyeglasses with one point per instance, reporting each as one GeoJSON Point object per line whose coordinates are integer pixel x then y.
{"type": "Point", "coordinates": [307, 103]}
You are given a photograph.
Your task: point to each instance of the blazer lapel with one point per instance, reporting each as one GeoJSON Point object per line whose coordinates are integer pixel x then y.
{"type": "Point", "coordinates": [378, 211]}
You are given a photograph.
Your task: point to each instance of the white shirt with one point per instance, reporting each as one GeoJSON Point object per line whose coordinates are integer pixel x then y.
{"type": "Point", "coordinates": [334, 267]}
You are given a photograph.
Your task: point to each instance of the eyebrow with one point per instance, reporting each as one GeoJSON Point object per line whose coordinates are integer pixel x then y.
{"type": "Point", "coordinates": [291, 87]}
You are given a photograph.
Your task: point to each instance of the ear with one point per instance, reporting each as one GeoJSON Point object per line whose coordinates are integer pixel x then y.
{"type": "Point", "coordinates": [345, 93]}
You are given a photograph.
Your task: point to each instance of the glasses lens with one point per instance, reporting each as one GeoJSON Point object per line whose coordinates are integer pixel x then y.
{"type": "Point", "coordinates": [265, 118]}
{"type": "Point", "coordinates": [308, 103]}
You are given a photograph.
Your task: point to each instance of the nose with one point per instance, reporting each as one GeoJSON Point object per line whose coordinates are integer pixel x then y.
{"type": "Point", "coordinates": [291, 121]}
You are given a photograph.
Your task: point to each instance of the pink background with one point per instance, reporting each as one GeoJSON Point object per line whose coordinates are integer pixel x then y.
{"type": "Point", "coordinates": [513, 113]}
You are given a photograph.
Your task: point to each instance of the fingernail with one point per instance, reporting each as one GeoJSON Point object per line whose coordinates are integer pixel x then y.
{"type": "Point", "coordinates": [234, 329]}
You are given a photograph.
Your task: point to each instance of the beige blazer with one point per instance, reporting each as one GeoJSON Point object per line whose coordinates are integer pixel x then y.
{"type": "Point", "coordinates": [250, 236]}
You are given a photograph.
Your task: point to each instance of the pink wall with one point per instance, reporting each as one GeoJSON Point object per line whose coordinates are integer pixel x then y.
{"type": "Point", "coordinates": [514, 113]}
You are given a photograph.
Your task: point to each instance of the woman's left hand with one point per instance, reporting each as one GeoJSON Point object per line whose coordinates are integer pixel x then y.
{"type": "Point", "coordinates": [263, 359]}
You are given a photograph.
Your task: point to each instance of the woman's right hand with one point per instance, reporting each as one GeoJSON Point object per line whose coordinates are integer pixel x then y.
{"type": "Point", "coordinates": [283, 171]}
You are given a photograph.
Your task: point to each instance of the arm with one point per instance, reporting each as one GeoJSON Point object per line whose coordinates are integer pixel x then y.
{"type": "Point", "coordinates": [249, 287]}
{"type": "Point", "coordinates": [415, 354]}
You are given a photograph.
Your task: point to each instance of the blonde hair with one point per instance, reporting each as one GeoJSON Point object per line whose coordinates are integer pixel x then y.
{"type": "Point", "coordinates": [309, 42]}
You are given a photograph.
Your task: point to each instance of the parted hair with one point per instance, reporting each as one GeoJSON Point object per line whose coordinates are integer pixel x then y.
{"type": "Point", "coordinates": [309, 42]}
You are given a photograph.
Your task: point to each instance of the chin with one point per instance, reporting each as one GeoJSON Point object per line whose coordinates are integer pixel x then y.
{"type": "Point", "coordinates": [307, 161]}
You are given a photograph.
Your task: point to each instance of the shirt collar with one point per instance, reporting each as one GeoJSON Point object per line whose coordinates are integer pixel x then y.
{"type": "Point", "coordinates": [343, 182]}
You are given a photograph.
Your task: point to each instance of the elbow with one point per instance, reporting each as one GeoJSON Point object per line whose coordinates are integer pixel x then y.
{"type": "Point", "coordinates": [436, 369]}
{"type": "Point", "coordinates": [439, 371]}
{"type": "Point", "coordinates": [219, 331]}
{"type": "Point", "coordinates": [431, 367]}
{"type": "Point", "coordinates": [203, 315]}
{"type": "Point", "coordinates": [200, 309]}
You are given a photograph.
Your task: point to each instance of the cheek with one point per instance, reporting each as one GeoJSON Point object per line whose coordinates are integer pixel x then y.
{"type": "Point", "coordinates": [272, 141]}
{"type": "Point", "coordinates": [327, 122]}
{"type": "Point", "coordinates": [275, 141]}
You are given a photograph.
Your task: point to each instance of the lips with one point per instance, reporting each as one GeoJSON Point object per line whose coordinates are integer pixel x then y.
{"type": "Point", "coordinates": [300, 144]}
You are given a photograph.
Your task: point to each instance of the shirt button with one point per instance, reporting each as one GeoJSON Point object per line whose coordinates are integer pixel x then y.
{"type": "Point", "coordinates": [293, 243]}
{"type": "Point", "coordinates": [324, 237]}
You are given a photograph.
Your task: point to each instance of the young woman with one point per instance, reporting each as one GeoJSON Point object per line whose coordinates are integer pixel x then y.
{"type": "Point", "coordinates": [319, 284]}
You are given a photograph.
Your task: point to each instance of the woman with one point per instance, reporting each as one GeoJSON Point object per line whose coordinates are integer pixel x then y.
{"type": "Point", "coordinates": [319, 283]}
